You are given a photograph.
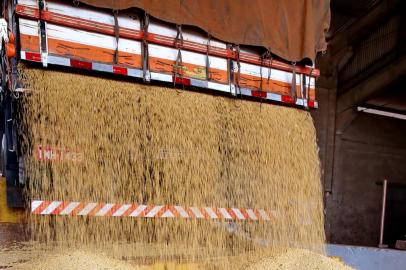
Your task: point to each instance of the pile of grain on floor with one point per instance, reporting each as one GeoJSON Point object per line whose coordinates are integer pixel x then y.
{"type": "Point", "coordinates": [298, 259]}
{"type": "Point", "coordinates": [154, 145]}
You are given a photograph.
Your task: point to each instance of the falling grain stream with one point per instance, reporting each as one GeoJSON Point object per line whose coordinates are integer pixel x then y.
{"type": "Point", "coordinates": [156, 145]}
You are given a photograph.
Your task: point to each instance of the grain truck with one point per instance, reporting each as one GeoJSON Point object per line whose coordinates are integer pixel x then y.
{"type": "Point", "coordinates": [263, 52]}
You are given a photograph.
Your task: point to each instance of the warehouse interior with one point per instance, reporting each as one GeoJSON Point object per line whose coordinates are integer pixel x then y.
{"type": "Point", "coordinates": [363, 68]}
{"type": "Point", "coordinates": [117, 159]}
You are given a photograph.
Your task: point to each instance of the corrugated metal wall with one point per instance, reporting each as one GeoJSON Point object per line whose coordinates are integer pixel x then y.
{"type": "Point", "coordinates": [373, 48]}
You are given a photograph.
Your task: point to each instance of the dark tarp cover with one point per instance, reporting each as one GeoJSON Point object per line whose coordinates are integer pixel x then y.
{"type": "Point", "coordinates": [291, 29]}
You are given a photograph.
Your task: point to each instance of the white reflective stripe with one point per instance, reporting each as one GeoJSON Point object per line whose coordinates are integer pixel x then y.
{"type": "Point", "coordinates": [210, 212]}
{"type": "Point", "coordinates": [69, 208]}
{"type": "Point", "coordinates": [154, 211]}
{"type": "Point", "coordinates": [22, 55]}
{"type": "Point", "coordinates": [238, 213]}
{"type": "Point", "coordinates": [56, 60]}
{"type": "Point", "coordinates": [197, 212]}
{"type": "Point", "coordinates": [219, 86]}
{"type": "Point", "coordinates": [120, 211]}
{"type": "Point", "coordinates": [104, 209]}
{"type": "Point", "coordinates": [161, 77]}
{"type": "Point", "coordinates": [138, 210]}
{"type": "Point", "coordinates": [134, 72]}
{"type": "Point", "coordinates": [168, 214]}
{"type": "Point", "coordinates": [251, 214]}
{"type": "Point", "coordinates": [264, 214]}
{"type": "Point", "coordinates": [51, 208]}
{"type": "Point", "coordinates": [225, 213]}
{"type": "Point", "coordinates": [86, 210]}
{"type": "Point", "coordinates": [273, 96]}
{"type": "Point", "coordinates": [182, 211]}
{"type": "Point", "coordinates": [35, 205]}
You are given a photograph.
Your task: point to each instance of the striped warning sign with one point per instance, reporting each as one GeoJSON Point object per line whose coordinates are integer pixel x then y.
{"type": "Point", "coordinates": [61, 208]}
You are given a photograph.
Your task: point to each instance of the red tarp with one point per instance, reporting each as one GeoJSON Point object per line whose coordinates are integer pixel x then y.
{"type": "Point", "coordinates": [291, 29]}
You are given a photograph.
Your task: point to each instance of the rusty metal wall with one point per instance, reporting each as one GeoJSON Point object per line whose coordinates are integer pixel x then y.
{"type": "Point", "coordinates": [378, 43]}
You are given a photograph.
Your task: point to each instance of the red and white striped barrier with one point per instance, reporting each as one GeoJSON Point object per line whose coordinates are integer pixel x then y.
{"type": "Point", "coordinates": [147, 211]}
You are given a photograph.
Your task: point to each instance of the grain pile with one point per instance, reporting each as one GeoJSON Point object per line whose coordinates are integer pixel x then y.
{"type": "Point", "coordinates": [298, 259]}
{"type": "Point", "coordinates": [152, 145]}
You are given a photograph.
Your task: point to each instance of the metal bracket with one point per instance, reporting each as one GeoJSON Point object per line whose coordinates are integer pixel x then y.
{"type": "Point", "coordinates": [43, 42]}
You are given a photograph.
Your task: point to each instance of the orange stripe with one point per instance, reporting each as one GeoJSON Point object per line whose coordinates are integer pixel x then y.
{"type": "Point", "coordinates": [130, 210]}
{"type": "Point", "coordinates": [273, 86]}
{"type": "Point", "coordinates": [96, 209]}
{"type": "Point", "coordinates": [113, 209]}
{"type": "Point", "coordinates": [41, 207]}
{"type": "Point", "coordinates": [174, 211]}
{"type": "Point", "coordinates": [205, 214]}
{"type": "Point", "coordinates": [92, 53]}
{"type": "Point", "coordinates": [244, 213]}
{"type": "Point", "coordinates": [218, 213]}
{"type": "Point", "coordinates": [29, 43]}
{"type": "Point", "coordinates": [189, 212]}
{"type": "Point", "coordinates": [146, 210]}
{"type": "Point", "coordinates": [59, 208]}
{"type": "Point", "coordinates": [231, 213]}
{"type": "Point", "coordinates": [78, 209]}
{"type": "Point", "coordinates": [162, 211]}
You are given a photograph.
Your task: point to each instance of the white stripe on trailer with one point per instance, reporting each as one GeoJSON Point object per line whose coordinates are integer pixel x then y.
{"type": "Point", "coordinates": [22, 55]}
{"type": "Point", "coordinates": [154, 211]}
{"type": "Point", "coordinates": [56, 60]}
{"type": "Point", "coordinates": [35, 205]}
{"type": "Point", "coordinates": [138, 210]}
{"type": "Point", "coordinates": [220, 87]}
{"type": "Point", "coordinates": [68, 209]}
{"type": "Point", "coordinates": [105, 209]}
{"type": "Point", "coordinates": [120, 211]}
{"type": "Point", "coordinates": [225, 213]}
{"type": "Point", "coordinates": [86, 210]}
{"type": "Point", "coordinates": [272, 96]}
{"type": "Point", "coordinates": [28, 27]}
{"type": "Point", "coordinates": [161, 77]}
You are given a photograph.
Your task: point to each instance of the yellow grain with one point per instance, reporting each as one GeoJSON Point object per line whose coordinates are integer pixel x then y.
{"type": "Point", "coordinates": [155, 145]}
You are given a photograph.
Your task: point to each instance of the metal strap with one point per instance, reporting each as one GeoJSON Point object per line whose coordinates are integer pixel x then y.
{"type": "Point", "coordinates": [43, 35]}
{"type": "Point", "coordinates": [145, 63]}
{"type": "Point", "coordinates": [208, 75]}
{"type": "Point", "coordinates": [293, 86]}
{"type": "Point", "coordinates": [178, 70]}
{"type": "Point", "coordinates": [239, 68]}
{"type": "Point", "coordinates": [117, 35]}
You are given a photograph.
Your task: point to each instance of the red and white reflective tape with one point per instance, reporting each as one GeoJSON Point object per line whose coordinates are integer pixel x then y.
{"type": "Point", "coordinates": [132, 72]}
{"type": "Point", "coordinates": [147, 211]}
